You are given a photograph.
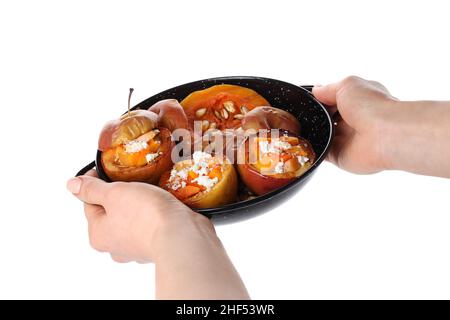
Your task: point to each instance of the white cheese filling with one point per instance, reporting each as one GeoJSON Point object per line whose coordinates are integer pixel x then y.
{"type": "Point", "coordinates": [200, 166]}
{"type": "Point", "coordinates": [302, 160]}
{"type": "Point", "coordinates": [278, 146]}
{"type": "Point", "coordinates": [279, 167]}
{"type": "Point", "coordinates": [134, 146]}
{"type": "Point", "coordinates": [151, 156]}
{"type": "Point", "coordinates": [275, 146]}
{"type": "Point", "coordinates": [206, 182]}
{"type": "Point", "coordinates": [138, 145]}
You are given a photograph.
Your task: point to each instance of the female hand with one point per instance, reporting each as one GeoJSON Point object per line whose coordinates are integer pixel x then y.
{"type": "Point", "coordinates": [379, 132]}
{"type": "Point", "coordinates": [141, 222]}
{"type": "Point", "coordinates": [125, 219]}
{"type": "Point", "coordinates": [358, 144]}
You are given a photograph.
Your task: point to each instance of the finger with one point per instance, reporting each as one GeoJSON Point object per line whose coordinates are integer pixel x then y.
{"type": "Point", "coordinates": [94, 216]}
{"type": "Point", "coordinates": [93, 211]}
{"type": "Point", "coordinates": [332, 110]}
{"type": "Point", "coordinates": [335, 151]}
{"type": "Point", "coordinates": [326, 94]}
{"type": "Point", "coordinates": [92, 173]}
{"type": "Point", "coordinates": [98, 232]}
{"type": "Point", "coordinates": [342, 129]}
{"type": "Point", "coordinates": [120, 259]}
{"type": "Point", "coordinates": [88, 189]}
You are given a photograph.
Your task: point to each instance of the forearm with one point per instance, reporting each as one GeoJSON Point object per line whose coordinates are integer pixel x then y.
{"type": "Point", "coordinates": [192, 264]}
{"type": "Point", "coordinates": [417, 137]}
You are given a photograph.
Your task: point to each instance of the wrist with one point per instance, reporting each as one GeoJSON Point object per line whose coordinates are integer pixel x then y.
{"type": "Point", "coordinates": [381, 133]}
{"type": "Point", "coordinates": [391, 133]}
{"type": "Point", "coordinates": [415, 136]}
{"type": "Point", "coordinates": [179, 232]}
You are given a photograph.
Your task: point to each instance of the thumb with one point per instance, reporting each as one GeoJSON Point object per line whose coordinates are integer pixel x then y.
{"type": "Point", "coordinates": [326, 94]}
{"type": "Point", "coordinates": [88, 189]}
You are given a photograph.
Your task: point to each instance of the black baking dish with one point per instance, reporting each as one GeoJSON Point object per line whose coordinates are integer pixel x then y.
{"type": "Point", "coordinates": [316, 123]}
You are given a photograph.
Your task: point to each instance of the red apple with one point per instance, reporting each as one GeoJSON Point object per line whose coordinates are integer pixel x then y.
{"type": "Point", "coordinates": [126, 128]}
{"type": "Point", "coordinates": [138, 146]}
{"type": "Point", "coordinates": [261, 182]}
{"type": "Point", "coordinates": [142, 172]}
{"type": "Point", "coordinates": [270, 118]}
{"type": "Point", "coordinates": [171, 114]}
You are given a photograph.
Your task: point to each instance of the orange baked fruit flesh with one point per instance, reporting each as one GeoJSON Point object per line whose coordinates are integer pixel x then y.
{"type": "Point", "coordinates": [202, 182]}
{"type": "Point", "coordinates": [271, 163]}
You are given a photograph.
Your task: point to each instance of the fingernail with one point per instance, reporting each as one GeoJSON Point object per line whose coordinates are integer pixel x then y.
{"type": "Point", "coordinates": [317, 86]}
{"type": "Point", "coordinates": [74, 185]}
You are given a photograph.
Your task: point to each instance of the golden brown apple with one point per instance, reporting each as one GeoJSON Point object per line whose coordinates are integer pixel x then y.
{"type": "Point", "coordinates": [208, 183]}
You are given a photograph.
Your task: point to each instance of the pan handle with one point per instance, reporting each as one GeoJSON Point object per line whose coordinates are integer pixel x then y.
{"type": "Point", "coordinates": [86, 169]}
{"type": "Point", "coordinates": [307, 87]}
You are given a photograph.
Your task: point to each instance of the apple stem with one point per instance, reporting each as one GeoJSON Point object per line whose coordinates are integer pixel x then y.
{"type": "Point", "coordinates": [129, 99]}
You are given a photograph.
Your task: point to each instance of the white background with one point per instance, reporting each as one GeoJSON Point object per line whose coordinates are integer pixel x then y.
{"type": "Point", "coordinates": [66, 66]}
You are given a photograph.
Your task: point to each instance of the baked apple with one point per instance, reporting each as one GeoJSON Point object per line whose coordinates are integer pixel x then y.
{"type": "Point", "coordinates": [171, 114]}
{"type": "Point", "coordinates": [272, 162]}
{"type": "Point", "coordinates": [202, 182]}
{"type": "Point", "coordinates": [260, 118]}
{"type": "Point", "coordinates": [138, 146]}
{"type": "Point", "coordinates": [221, 106]}
{"type": "Point", "coordinates": [270, 118]}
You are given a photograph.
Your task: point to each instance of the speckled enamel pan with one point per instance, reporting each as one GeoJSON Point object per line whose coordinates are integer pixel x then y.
{"type": "Point", "coordinates": [316, 123]}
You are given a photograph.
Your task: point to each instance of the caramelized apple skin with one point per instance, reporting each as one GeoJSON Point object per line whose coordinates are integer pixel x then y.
{"type": "Point", "coordinates": [127, 128]}
{"type": "Point", "coordinates": [166, 116]}
{"type": "Point", "coordinates": [261, 184]}
{"type": "Point", "coordinates": [171, 114]}
{"type": "Point", "coordinates": [150, 172]}
{"type": "Point", "coordinates": [270, 118]}
{"type": "Point", "coordinates": [222, 193]}
{"type": "Point", "coordinates": [258, 183]}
